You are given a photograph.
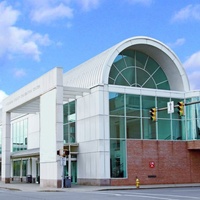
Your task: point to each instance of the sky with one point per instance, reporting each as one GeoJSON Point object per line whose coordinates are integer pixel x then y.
{"type": "Point", "coordinates": [38, 35]}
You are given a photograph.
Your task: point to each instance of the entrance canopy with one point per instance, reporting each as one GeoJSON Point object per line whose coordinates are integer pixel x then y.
{"type": "Point", "coordinates": [27, 99]}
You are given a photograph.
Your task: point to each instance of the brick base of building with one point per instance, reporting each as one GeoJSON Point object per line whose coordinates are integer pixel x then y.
{"type": "Point", "coordinates": [160, 162]}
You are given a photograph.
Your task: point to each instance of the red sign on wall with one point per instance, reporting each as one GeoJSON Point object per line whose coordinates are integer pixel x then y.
{"type": "Point", "coordinates": [152, 164]}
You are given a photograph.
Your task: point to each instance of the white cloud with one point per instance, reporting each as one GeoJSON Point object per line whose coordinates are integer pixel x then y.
{"type": "Point", "coordinates": [189, 12]}
{"type": "Point", "coordinates": [3, 95]}
{"type": "Point", "coordinates": [193, 61]}
{"type": "Point", "coordinates": [88, 5]}
{"type": "Point", "coordinates": [178, 42]}
{"type": "Point", "coordinates": [59, 44]}
{"type": "Point", "coordinates": [8, 15]}
{"type": "Point", "coordinates": [194, 80]}
{"type": "Point", "coordinates": [15, 40]}
{"type": "Point", "coordinates": [144, 2]}
{"type": "Point", "coordinates": [48, 13]}
{"type": "Point", "coordinates": [41, 39]}
{"type": "Point", "coordinates": [18, 73]}
{"type": "Point", "coordinates": [192, 65]}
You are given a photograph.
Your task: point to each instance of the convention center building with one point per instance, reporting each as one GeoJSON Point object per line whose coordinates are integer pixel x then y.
{"type": "Point", "coordinates": [125, 113]}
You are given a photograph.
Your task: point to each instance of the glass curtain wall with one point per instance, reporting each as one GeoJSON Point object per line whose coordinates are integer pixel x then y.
{"type": "Point", "coordinates": [19, 132]}
{"type": "Point", "coordinates": [20, 167]}
{"type": "Point", "coordinates": [69, 122]}
{"type": "Point", "coordinates": [130, 114]}
{"type": "Point", "coordinates": [178, 123]}
{"type": "Point", "coordinates": [24, 167]}
{"type": "Point", "coordinates": [193, 118]}
{"type": "Point", "coordinates": [16, 167]}
{"type": "Point", "coordinates": [136, 69]}
{"type": "Point", "coordinates": [117, 135]}
{"type": "Point", "coordinates": [130, 119]}
{"type": "Point", "coordinates": [149, 127]}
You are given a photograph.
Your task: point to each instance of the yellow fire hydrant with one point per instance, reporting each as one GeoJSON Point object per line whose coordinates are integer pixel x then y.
{"type": "Point", "coordinates": [137, 182]}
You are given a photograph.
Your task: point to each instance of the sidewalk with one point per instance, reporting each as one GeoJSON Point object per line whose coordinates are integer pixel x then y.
{"type": "Point", "coordinates": [32, 187]}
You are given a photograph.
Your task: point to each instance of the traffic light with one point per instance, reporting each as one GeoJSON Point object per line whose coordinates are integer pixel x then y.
{"type": "Point", "coordinates": [153, 114]}
{"type": "Point", "coordinates": [62, 152]}
{"type": "Point", "coordinates": [66, 152]}
{"type": "Point", "coordinates": [181, 108]}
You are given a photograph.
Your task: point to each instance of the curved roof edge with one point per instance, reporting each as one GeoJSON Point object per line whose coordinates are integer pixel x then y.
{"type": "Point", "coordinates": [96, 70]}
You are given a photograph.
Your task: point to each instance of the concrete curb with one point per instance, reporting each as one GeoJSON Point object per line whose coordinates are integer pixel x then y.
{"type": "Point", "coordinates": [83, 188]}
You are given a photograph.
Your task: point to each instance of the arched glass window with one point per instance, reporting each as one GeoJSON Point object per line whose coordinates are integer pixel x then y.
{"type": "Point", "coordinates": [136, 69]}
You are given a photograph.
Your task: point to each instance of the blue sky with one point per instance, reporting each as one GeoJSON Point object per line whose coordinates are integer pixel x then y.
{"type": "Point", "coordinates": [38, 35]}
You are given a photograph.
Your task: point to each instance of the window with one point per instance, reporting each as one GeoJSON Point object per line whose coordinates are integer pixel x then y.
{"type": "Point", "coordinates": [136, 69]}
{"type": "Point", "coordinates": [117, 135]}
{"type": "Point", "coordinates": [69, 126]}
{"type": "Point", "coordinates": [24, 167]}
{"type": "Point", "coordinates": [19, 131]}
{"type": "Point", "coordinates": [193, 118]}
{"type": "Point", "coordinates": [148, 127]}
{"type": "Point", "coordinates": [118, 158]}
{"type": "Point", "coordinates": [117, 127]}
{"type": "Point", "coordinates": [16, 168]}
{"type": "Point", "coordinates": [130, 118]}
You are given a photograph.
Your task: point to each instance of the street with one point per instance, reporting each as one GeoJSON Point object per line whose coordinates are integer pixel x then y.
{"type": "Point", "coordinates": [186, 193]}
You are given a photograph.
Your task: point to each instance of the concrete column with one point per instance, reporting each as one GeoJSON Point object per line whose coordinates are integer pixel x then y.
{"type": "Point", "coordinates": [69, 164]}
{"type": "Point", "coordinates": [34, 169]}
{"type": "Point", "coordinates": [21, 168]}
{"type": "Point", "coordinates": [29, 166]}
{"type": "Point", "coordinates": [11, 167]}
{"type": "Point", "coordinates": [6, 147]}
{"type": "Point", "coordinates": [51, 135]}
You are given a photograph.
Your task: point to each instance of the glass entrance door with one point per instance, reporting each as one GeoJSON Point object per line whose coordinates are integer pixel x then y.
{"type": "Point", "coordinates": [73, 171]}
{"type": "Point", "coordinates": [38, 172]}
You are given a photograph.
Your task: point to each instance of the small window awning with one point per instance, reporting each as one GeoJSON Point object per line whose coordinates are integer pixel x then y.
{"type": "Point", "coordinates": [26, 153]}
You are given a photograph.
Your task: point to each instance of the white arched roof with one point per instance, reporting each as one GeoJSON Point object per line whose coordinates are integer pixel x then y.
{"type": "Point", "coordinates": [96, 70]}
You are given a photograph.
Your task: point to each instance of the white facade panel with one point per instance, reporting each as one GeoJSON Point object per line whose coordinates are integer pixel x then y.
{"type": "Point", "coordinates": [104, 165]}
{"type": "Point", "coordinates": [48, 128]}
{"type": "Point", "coordinates": [91, 129]}
{"type": "Point", "coordinates": [103, 127]}
{"type": "Point", "coordinates": [49, 171]}
{"type": "Point", "coordinates": [50, 137]}
{"type": "Point", "coordinates": [93, 135]}
{"type": "Point", "coordinates": [33, 131]}
{"type": "Point", "coordinates": [93, 165]}
{"type": "Point", "coordinates": [192, 94]}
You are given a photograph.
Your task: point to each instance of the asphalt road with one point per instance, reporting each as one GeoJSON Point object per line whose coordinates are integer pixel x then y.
{"type": "Point", "coordinates": [187, 193]}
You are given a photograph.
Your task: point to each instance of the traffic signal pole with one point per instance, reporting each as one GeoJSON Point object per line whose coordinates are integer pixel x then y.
{"type": "Point", "coordinates": [62, 172]}
{"type": "Point", "coordinates": [190, 103]}
{"type": "Point", "coordinates": [176, 106]}
{"type": "Point", "coordinates": [62, 154]}
{"type": "Point", "coordinates": [69, 163]}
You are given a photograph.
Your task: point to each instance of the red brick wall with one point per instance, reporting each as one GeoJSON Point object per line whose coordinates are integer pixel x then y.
{"type": "Point", "coordinates": [174, 163]}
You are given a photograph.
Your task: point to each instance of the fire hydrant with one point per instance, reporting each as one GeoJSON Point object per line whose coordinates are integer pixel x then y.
{"type": "Point", "coordinates": [137, 182]}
